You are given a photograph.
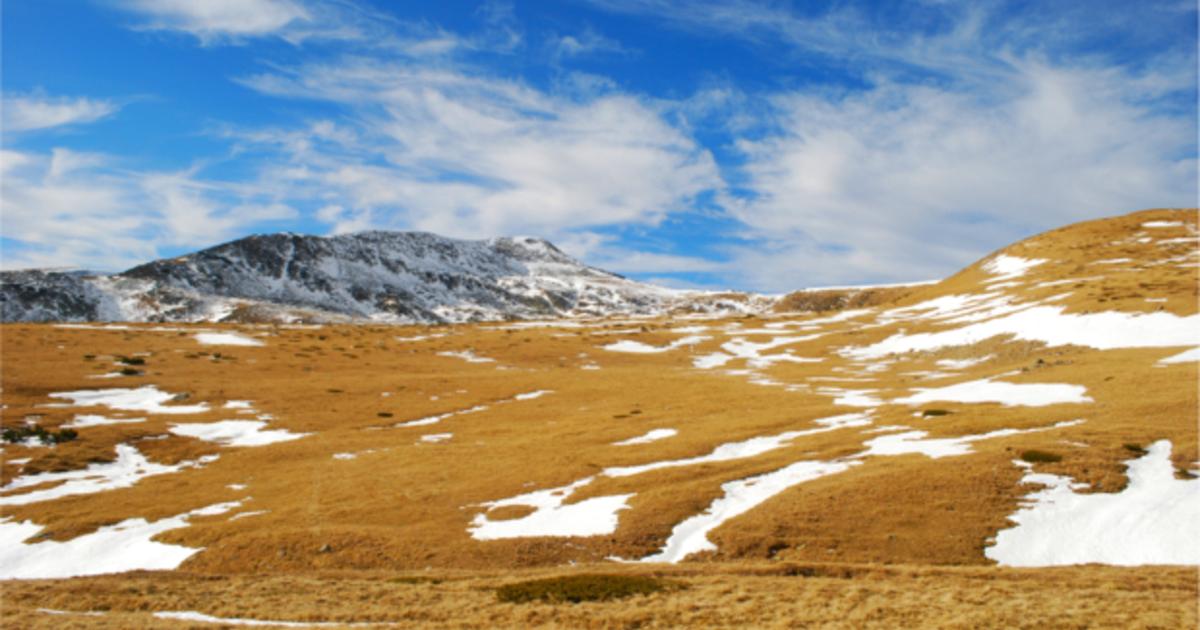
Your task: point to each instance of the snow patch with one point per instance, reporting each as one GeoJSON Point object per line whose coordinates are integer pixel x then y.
{"type": "Point", "coordinates": [1154, 520]}
{"type": "Point", "coordinates": [126, 546]}
{"type": "Point", "coordinates": [148, 399]}
{"type": "Point", "coordinates": [198, 617]}
{"type": "Point", "coordinates": [1187, 356]}
{"type": "Point", "coordinates": [714, 360]}
{"type": "Point", "coordinates": [1048, 324]}
{"type": "Point", "coordinates": [1005, 267]}
{"type": "Point", "coordinates": [915, 442]}
{"type": "Point", "coordinates": [961, 364]}
{"type": "Point", "coordinates": [1007, 394]}
{"type": "Point", "coordinates": [235, 432]}
{"type": "Point", "coordinates": [850, 397]}
{"type": "Point", "coordinates": [746, 448]}
{"type": "Point", "coordinates": [591, 517]}
{"type": "Point", "coordinates": [637, 347]}
{"type": "Point", "coordinates": [598, 515]}
{"type": "Point", "coordinates": [466, 355]}
{"type": "Point", "coordinates": [88, 420]}
{"type": "Point", "coordinates": [652, 435]}
{"type": "Point", "coordinates": [227, 339]}
{"type": "Point", "coordinates": [741, 496]}
{"type": "Point", "coordinates": [422, 422]}
{"type": "Point", "coordinates": [129, 468]}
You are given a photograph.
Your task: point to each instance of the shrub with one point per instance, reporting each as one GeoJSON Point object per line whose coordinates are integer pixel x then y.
{"type": "Point", "coordinates": [130, 372]}
{"type": "Point", "coordinates": [1040, 457]}
{"type": "Point", "coordinates": [131, 360]}
{"type": "Point", "coordinates": [935, 412]}
{"type": "Point", "coordinates": [580, 588]}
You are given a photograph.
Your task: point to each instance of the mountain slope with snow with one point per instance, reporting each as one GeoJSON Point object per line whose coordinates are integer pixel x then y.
{"type": "Point", "coordinates": [393, 277]}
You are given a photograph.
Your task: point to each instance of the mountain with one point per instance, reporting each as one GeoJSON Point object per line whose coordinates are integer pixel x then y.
{"type": "Point", "coordinates": [388, 277]}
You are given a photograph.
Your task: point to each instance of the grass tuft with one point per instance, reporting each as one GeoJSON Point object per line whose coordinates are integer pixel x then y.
{"type": "Point", "coordinates": [18, 435]}
{"type": "Point", "coordinates": [935, 412]}
{"type": "Point", "coordinates": [1136, 449]}
{"type": "Point", "coordinates": [1040, 457]}
{"type": "Point", "coordinates": [581, 588]}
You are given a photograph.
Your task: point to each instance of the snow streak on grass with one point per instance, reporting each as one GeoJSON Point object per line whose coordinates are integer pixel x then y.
{"type": "Point", "coordinates": [235, 432]}
{"type": "Point", "coordinates": [148, 399]}
{"type": "Point", "coordinates": [227, 339]}
{"type": "Point", "coordinates": [129, 468]}
{"type": "Point", "coordinates": [1007, 394]}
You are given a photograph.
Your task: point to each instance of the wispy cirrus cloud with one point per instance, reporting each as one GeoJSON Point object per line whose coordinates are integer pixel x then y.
{"type": "Point", "coordinates": [904, 182]}
{"type": "Point", "coordinates": [214, 22]}
{"type": "Point", "coordinates": [450, 151]}
{"type": "Point", "coordinates": [215, 19]}
{"type": "Point", "coordinates": [37, 111]}
{"type": "Point", "coordinates": [974, 125]}
{"type": "Point", "coordinates": [586, 42]}
{"type": "Point", "coordinates": [70, 209]}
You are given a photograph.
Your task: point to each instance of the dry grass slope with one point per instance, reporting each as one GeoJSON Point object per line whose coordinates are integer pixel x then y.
{"type": "Point", "coordinates": [333, 526]}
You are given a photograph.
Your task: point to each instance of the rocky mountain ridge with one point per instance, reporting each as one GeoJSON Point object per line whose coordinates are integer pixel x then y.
{"type": "Point", "coordinates": [374, 276]}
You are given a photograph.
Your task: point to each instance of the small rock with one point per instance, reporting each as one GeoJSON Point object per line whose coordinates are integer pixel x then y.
{"type": "Point", "coordinates": [326, 548]}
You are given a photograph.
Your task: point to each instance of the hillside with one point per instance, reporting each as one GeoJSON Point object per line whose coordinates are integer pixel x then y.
{"type": "Point", "coordinates": [380, 277]}
{"type": "Point", "coordinates": [1037, 409]}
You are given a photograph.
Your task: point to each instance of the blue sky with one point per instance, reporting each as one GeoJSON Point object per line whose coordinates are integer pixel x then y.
{"type": "Point", "coordinates": [743, 144]}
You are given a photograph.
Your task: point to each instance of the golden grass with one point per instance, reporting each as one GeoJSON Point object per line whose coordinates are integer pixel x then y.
{"type": "Point", "coordinates": [729, 595]}
{"type": "Point", "coordinates": [405, 505]}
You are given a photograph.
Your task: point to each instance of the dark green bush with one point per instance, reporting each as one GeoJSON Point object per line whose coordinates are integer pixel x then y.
{"type": "Point", "coordinates": [131, 360]}
{"type": "Point", "coordinates": [1040, 457]}
{"type": "Point", "coordinates": [935, 412]}
{"type": "Point", "coordinates": [580, 588]}
{"type": "Point", "coordinates": [130, 372]}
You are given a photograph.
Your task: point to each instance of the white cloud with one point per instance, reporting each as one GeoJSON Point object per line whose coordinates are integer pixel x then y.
{"type": "Point", "coordinates": [210, 20]}
{"type": "Point", "coordinates": [587, 42]}
{"type": "Point", "coordinates": [37, 111]}
{"type": "Point", "coordinates": [63, 215]}
{"type": "Point", "coordinates": [907, 182]}
{"type": "Point", "coordinates": [450, 152]}
{"type": "Point", "coordinates": [72, 209]}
